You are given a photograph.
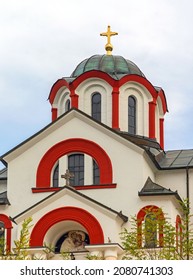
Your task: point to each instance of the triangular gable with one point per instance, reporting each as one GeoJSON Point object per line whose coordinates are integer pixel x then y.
{"type": "Point", "coordinates": [70, 192]}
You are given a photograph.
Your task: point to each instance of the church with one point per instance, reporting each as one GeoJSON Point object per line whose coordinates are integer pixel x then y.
{"type": "Point", "coordinates": [100, 161]}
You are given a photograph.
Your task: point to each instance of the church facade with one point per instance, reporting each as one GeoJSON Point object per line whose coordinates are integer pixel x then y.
{"type": "Point", "coordinates": [100, 161]}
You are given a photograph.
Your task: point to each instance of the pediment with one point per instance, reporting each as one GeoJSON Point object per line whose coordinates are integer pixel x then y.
{"type": "Point", "coordinates": [63, 198]}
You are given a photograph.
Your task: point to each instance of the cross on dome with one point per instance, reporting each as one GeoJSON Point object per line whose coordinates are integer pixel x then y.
{"type": "Point", "coordinates": [108, 34]}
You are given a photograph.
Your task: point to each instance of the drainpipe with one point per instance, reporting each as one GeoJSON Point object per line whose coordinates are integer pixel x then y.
{"type": "Point", "coordinates": [188, 210]}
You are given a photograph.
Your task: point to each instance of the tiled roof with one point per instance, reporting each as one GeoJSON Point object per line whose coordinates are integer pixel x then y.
{"type": "Point", "coordinates": [3, 174]}
{"type": "Point", "coordinates": [176, 159]}
{"type": "Point", "coordinates": [3, 199]}
{"type": "Point", "coordinates": [151, 188]}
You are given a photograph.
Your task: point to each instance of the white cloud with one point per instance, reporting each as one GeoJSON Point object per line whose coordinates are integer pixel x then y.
{"type": "Point", "coordinates": [43, 40]}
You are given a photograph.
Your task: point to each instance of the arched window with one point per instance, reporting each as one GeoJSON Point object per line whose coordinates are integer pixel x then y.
{"type": "Point", "coordinates": [76, 167]}
{"type": "Point", "coordinates": [96, 173]}
{"type": "Point", "coordinates": [150, 221]}
{"type": "Point", "coordinates": [67, 105]}
{"type": "Point", "coordinates": [56, 176]}
{"type": "Point", "coordinates": [96, 106]}
{"type": "Point", "coordinates": [132, 115]}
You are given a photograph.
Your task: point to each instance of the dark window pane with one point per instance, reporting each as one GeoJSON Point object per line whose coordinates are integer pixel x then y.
{"type": "Point", "coordinates": [132, 115]}
{"type": "Point", "coordinates": [96, 173]}
{"type": "Point", "coordinates": [76, 166]}
{"type": "Point", "coordinates": [55, 176]}
{"type": "Point", "coordinates": [67, 105]}
{"type": "Point", "coordinates": [96, 106]}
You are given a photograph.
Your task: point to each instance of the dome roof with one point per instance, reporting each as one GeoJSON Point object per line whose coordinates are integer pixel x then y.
{"type": "Point", "coordinates": [115, 65]}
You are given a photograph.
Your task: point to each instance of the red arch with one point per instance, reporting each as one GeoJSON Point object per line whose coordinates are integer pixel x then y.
{"type": "Point", "coordinates": [140, 80]}
{"type": "Point", "coordinates": [8, 227]}
{"type": "Point", "coordinates": [6, 221]}
{"type": "Point", "coordinates": [68, 146]}
{"type": "Point", "coordinates": [161, 94]}
{"type": "Point", "coordinates": [88, 221]}
{"type": "Point", "coordinates": [55, 88]}
{"type": "Point", "coordinates": [140, 218]}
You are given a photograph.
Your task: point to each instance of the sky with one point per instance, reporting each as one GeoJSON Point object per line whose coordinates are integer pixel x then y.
{"type": "Point", "coordinates": [42, 41]}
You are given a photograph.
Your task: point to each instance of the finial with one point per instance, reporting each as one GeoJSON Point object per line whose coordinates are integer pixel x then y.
{"type": "Point", "coordinates": [108, 34]}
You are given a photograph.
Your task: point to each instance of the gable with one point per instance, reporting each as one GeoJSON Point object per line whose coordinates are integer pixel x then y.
{"type": "Point", "coordinates": [31, 164]}
{"type": "Point", "coordinates": [69, 208]}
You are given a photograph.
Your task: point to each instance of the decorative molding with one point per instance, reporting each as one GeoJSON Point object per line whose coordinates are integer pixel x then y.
{"type": "Point", "coordinates": [79, 215]}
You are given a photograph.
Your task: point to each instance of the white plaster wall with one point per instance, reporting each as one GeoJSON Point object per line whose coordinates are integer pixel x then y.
{"type": "Point", "coordinates": [110, 224]}
{"type": "Point", "coordinates": [158, 115]}
{"type": "Point", "coordinates": [131, 168]}
{"type": "Point", "coordinates": [174, 180]}
{"type": "Point", "coordinates": [22, 169]}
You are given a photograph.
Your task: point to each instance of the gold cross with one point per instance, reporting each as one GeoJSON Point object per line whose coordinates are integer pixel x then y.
{"type": "Point", "coordinates": [67, 176]}
{"type": "Point", "coordinates": [108, 34]}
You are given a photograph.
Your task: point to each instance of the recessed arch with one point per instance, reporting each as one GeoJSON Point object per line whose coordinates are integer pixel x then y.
{"type": "Point", "coordinates": [87, 220]}
{"type": "Point", "coordinates": [141, 217]}
{"type": "Point", "coordinates": [8, 226]}
{"type": "Point", "coordinates": [6, 221]}
{"type": "Point", "coordinates": [59, 84]}
{"type": "Point", "coordinates": [70, 146]}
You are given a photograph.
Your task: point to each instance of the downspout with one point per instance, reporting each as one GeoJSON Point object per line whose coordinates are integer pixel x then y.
{"type": "Point", "coordinates": [187, 210]}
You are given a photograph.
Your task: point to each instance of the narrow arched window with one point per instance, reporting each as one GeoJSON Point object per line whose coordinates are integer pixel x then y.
{"type": "Point", "coordinates": [132, 115]}
{"type": "Point", "coordinates": [150, 225]}
{"type": "Point", "coordinates": [96, 106]}
{"type": "Point", "coordinates": [76, 167]}
{"type": "Point", "coordinates": [96, 173]}
{"type": "Point", "coordinates": [56, 176]}
{"type": "Point", "coordinates": [67, 105]}
{"type": "Point", "coordinates": [150, 230]}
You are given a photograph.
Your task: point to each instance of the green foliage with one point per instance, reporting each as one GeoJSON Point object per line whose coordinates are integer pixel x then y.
{"type": "Point", "coordinates": [23, 243]}
{"type": "Point", "coordinates": [2, 245]}
{"type": "Point", "coordinates": [156, 238]}
{"type": "Point", "coordinates": [91, 257]}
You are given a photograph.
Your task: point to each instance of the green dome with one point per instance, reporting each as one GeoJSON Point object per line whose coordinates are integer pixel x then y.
{"type": "Point", "coordinates": [115, 65]}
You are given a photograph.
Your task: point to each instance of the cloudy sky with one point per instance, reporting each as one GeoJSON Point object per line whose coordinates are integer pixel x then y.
{"type": "Point", "coordinates": [43, 40]}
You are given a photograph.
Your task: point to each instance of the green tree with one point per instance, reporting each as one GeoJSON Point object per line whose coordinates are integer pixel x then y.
{"type": "Point", "coordinates": [19, 252]}
{"type": "Point", "coordinates": [158, 239]}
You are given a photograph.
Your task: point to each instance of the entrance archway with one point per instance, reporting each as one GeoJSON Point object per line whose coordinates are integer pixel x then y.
{"type": "Point", "coordinates": [87, 220]}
